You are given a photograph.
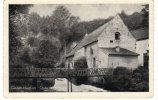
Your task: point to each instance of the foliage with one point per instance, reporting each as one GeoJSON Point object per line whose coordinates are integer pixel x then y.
{"type": "Point", "coordinates": [133, 22]}
{"type": "Point", "coordinates": [45, 82]}
{"type": "Point", "coordinates": [46, 55]}
{"type": "Point", "coordinates": [124, 79]}
{"type": "Point", "coordinates": [78, 30]}
{"type": "Point", "coordinates": [39, 34]}
{"type": "Point", "coordinates": [34, 23]}
{"type": "Point", "coordinates": [14, 43]}
{"type": "Point", "coordinates": [62, 65]}
{"type": "Point", "coordinates": [32, 41]}
{"type": "Point", "coordinates": [25, 55]}
{"type": "Point", "coordinates": [81, 63]}
{"type": "Point", "coordinates": [145, 15]}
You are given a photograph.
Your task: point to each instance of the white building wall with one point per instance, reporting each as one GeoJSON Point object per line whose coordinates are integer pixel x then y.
{"type": "Point", "coordinates": [141, 47]}
{"type": "Point", "coordinates": [69, 62]}
{"type": "Point", "coordinates": [126, 39]}
{"type": "Point", "coordinates": [103, 59]}
{"type": "Point", "coordinates": [79, 54]}
{"type": "Point", "coordinates": [89, 56]}
{"type": "Point", "coordinates": [130, 62]}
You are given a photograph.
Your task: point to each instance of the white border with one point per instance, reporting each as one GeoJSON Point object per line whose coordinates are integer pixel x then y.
{"type": "Point", "coordinates": [84, 94]}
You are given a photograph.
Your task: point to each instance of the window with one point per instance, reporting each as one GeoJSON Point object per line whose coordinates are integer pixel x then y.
{"type": "Point", "coordinates": [111, 41]}
{"type": "Point", "coordinates": [94, 63]}
{"type": "Point", "coordinates": [91, 51]}
{"type": "Point", "coordinates": [117, 36]}
{"type": "Point", "coordinates": [146, 59]}
{"type": "Point", "coordinates": [68, 65]}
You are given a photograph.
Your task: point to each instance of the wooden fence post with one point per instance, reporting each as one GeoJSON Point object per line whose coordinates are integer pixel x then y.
{"type": "Point", "coordinates": [71, 84]}
{"type": "Point", "coordinates": [68, 84]}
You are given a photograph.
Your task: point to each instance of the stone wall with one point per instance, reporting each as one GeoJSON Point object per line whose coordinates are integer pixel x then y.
{"type": "Point", "coordinates": [91, 53]}
{"type": "Point", "coordinates": [130, 62]}
{"type": "Point", "coordinates": [107, 38]}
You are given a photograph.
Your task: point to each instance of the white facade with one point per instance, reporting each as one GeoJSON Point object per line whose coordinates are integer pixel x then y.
{"type": "Point", "coordinates": [115, 34]}
{"type": "Point", "coordinates": [130, 62]}
{"type": "Point", "coordinates": [107, 38]}
{"type": "Point", "coordinates": [141, 47]}
{"type": "Point", "coordinates": [91, 53]}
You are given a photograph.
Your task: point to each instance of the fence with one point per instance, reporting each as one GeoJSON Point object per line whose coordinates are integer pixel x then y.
{"type": "Point", "coordinates": [35, 73]}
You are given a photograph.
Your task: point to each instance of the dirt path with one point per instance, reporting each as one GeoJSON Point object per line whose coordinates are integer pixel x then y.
{"type": "Point", "coordinates": [61, 86]}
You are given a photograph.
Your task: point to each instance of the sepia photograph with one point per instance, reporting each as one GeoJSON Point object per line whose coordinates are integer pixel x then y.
{"type": "Point", "coordinates": [78, 47]}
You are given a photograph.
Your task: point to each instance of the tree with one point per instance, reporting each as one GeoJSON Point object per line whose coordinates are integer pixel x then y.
{"type": "Point", "coordinates": [133, 21]}
{"type": "Point", "coordinates": [59, 25]}
{"type": "Point", "coordinates": [78, 30]}
{"type": "Point", "coordinates": [14, 43]}
{"type": "Point", "coordinates": [123, 14]}
{"type": "Point", "coordinates": [145, 11]}
{"type": "Point", "coordinates": [32, 41]}
{"type": "Point", "coordinates": [34, 23]}
{"type": "Point", "coordinates": [46, 55]}
{"type": "Point", "coordinates": [25, 55]}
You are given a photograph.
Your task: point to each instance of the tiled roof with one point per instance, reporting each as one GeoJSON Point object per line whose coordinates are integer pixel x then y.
{"type": "Point", "coordinates": [92, 37]}
{"type": "Point", "coordinates": [122, 51]}
{"type": "Point", "coordinates": [141, 34]}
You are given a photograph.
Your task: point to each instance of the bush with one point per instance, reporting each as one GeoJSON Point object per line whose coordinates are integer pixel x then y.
{"type": "Point", "coordinates": [118, 83]}
{"type": "Point", "coordinates": [124, 79]}
{"type": "Point", "coordinates": [141, 74]}
{"type": "Point", "coordinates": [81, 63]}
{"type": "Point", "coordinates": [46, 82]}
{"type": "Point", "coordinates": [121, 71]}
{"type": "Point", "coordinates": [62, 65]}
{"type": "Point", "coordinates": [142, 86]}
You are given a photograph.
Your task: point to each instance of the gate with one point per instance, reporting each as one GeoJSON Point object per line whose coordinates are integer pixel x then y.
{"type": "Point", "coordinates": [35, 73]}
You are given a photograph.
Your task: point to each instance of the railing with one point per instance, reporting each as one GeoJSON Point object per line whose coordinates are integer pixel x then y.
{"type": "Point", "coordinates": [35, 73]}
{"type": "Point", "coordinates": [58, 72]}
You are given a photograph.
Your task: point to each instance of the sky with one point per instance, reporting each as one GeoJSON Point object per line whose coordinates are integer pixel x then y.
{"type": "Point", "coordinates": [88, 12]}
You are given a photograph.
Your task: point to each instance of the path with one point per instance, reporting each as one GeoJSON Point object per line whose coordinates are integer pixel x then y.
{"type": "Point", "coordinates": [61, 86]}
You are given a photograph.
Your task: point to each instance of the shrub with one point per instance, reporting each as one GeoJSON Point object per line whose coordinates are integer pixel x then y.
{"type": "Point", "coordinates": [62, 65]}
{"type": "Point", "coordinates": [124, 79]}
{"type": "Point", "coordinates": [121, 71]}
{"type": "Point", "coordinates": [142, 86]}
{"type": "Point", "coordinates": [118, 83]}
{"type": "Point", "coordinates": [141, 74]}
{"type": "Point", "coordinates": [81, 63]}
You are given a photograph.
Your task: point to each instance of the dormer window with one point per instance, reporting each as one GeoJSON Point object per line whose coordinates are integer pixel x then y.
{"type": "Point", "coordinates": [117, 36]}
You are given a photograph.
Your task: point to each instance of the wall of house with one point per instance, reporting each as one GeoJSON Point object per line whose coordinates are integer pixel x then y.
{"type": "Point", "coordinates": [125, 61]}
{"type": "Point", "coordinates": [79, 54]}
{"type": "Point", "coordinates": [141, 47]}
{"type": "Point", "coordinates": [126, 39]}
{"type": "Point", "coordinates": [69, 62]}
{"type": "Point", "coordinates": [93, 47]}
{"type": "Point", "coordinates": [103, 59]}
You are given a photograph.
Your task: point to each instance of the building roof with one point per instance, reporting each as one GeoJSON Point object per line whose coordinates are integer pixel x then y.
{"type": "Point", "coordinates": [122, 51]}
{"type": "Point", "coordinates": [92, 37]}
{"type": "Point", "coordinates": [141, 34]}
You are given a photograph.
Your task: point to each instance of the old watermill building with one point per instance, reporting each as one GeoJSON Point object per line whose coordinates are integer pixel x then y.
{"type": "Point", "coordinates": [109, 46]}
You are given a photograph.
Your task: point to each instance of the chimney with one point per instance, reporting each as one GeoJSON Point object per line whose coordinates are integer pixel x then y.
{"type": "Point", "coordinates": [117, 49]}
